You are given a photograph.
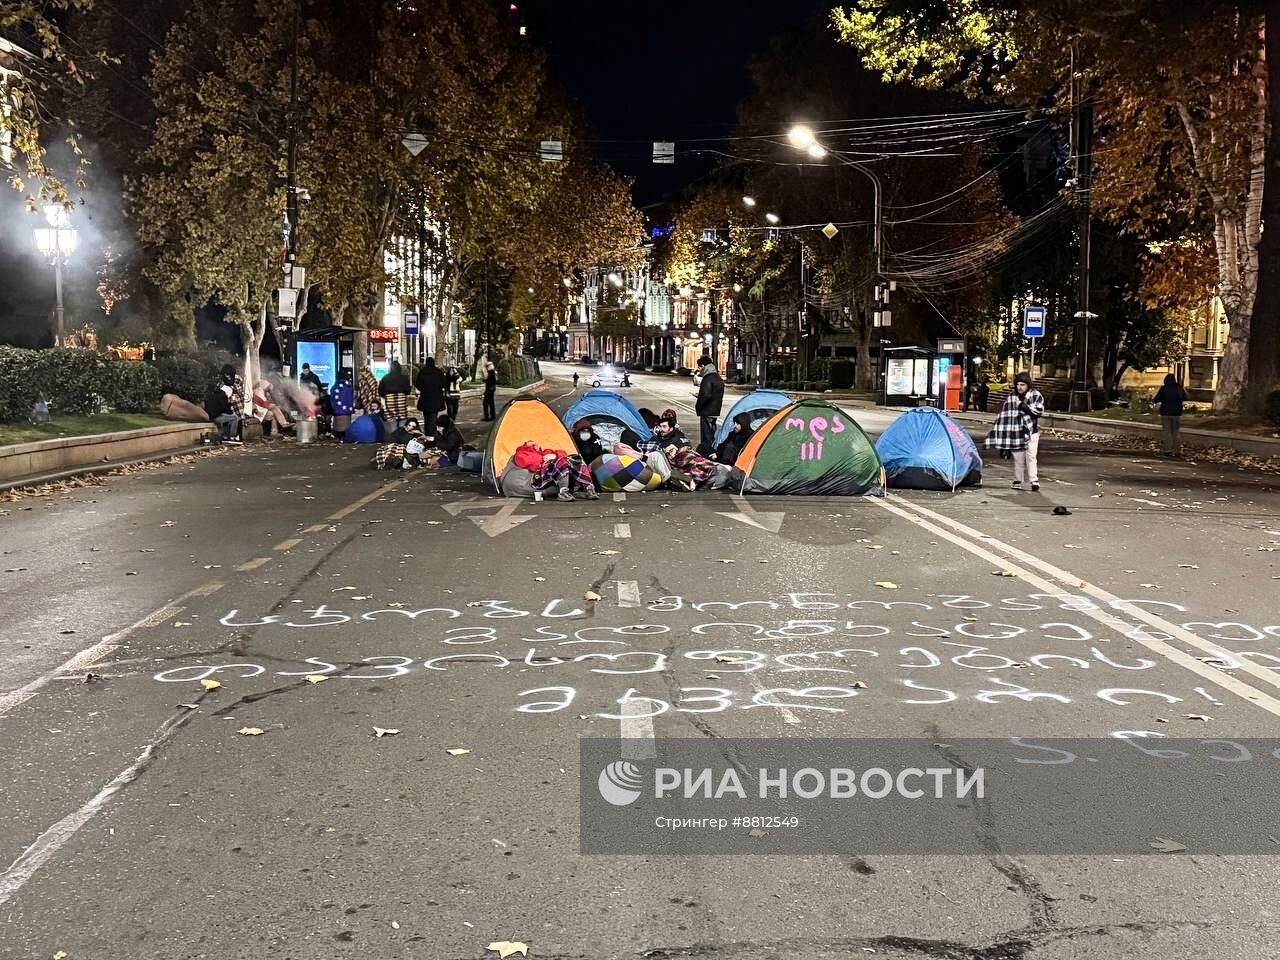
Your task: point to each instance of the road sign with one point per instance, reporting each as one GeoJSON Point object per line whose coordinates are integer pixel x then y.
{"type": "Point", "coordinates": [664, 151]}
{"type": "Point", "coordinates": [951, 345]}
{"type": "Point", "coordinates": [1033, 320]}
{"type": "Point", "coordinates": [410, 324]}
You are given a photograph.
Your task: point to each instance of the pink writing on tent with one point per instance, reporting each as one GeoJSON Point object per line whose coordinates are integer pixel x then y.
{"type": "Point", "coordinates": [817, 428]}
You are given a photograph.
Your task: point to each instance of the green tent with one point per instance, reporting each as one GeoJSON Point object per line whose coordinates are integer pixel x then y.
{"type": "Point", "coordinates": [811, 448]}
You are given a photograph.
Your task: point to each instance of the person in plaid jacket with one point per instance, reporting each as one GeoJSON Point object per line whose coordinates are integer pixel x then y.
{"type": "Point", "coordinates": [394, 390]}
{"type": "Point", "coordinates": [1016, 431]}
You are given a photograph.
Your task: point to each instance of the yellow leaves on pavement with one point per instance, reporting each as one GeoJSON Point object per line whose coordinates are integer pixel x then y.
{"type": "Point", "coordinates": [509, 948]}
{"type": "Point", "coordinates": [316, 678]}
{"type": "Point", "coordinates": [209, 684]}
{"type": "Point", "coordinates": [380, 732]}
{"type": "Point", "coordinates": [591, 596]}
{"type": "Point", "coordinates": [457, 752]}
{"type": "Point", "coordinates": [251, 731]}
{"type": "Point", "coordinates": [887, 584]}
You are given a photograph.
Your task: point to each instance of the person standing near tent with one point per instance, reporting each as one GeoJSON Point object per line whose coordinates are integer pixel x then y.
{"type": "Point", "coordinates": [342, 397]}
{"type": "Point", "coordinates": [710, 401]}
{"type": "Point", "coordinates": [1170, 398]}
{"type": "Point", "coordinates": [394, 391]}
{"type": "Point", "coordinates": [431, 402]}
{"type": "Point", "coordinates": [490, 390]}
{"type": "Point", "coordinates": [367, 390]}
{"type": "Point", "coordinates": [1017, 431]}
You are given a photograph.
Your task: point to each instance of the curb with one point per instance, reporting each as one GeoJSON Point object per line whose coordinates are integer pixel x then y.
{"type": "Point", "coordinates": [97, 468]}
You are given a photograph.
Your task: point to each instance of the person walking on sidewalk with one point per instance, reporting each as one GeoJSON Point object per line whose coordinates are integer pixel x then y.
{"type": "Point", "coordinates": [710, 400]}
{"type": "Point", "coordinates": [490, 390]}
{"type": "Point", "coordinates": [1171, 398]}
{"type": "Point", "coordinates": [1016, 431]}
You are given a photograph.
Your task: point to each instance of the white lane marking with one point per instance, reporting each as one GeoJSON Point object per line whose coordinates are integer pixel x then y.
{"type": "Point", "coordinates": [788, 715]}
{"type": "Point", "coordinates": [969, 541]}
{"type": "Point", "coordinates": [637, 733]}
{"type": "Point", "coordinates": [52, 840]}
{"type": "Point", "coordinates": [619, 497]}
{"type": "Point", "coordinates": [205, 589]}
{"type": "Point", "coordinates": [316, 528]}
{"type": "Point", "coordinates": [364, 501]}
{"type": "Point", "coordinates": [628, 593]}
{"type": "Point", "coordinates": [622, 531]}
{"type": "Point", "coordinates": [288, 544]}
{"type": "Point", "coordinates": [253, 564]}
{"type": "Point", "coordinates": [159, 617]}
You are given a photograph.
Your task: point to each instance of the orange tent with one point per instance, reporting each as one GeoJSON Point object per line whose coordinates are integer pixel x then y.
{"type": "Point", "coordinates": [523, 420]}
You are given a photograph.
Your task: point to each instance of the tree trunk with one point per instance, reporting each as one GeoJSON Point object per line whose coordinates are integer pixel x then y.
{"type": "Point", "coordinates": [862, 376]}
{"type": "Point", "coordinates": [1264, 339]}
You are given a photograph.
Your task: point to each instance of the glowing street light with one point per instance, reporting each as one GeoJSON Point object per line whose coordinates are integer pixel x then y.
{"type": "Point", "coordinates": [748, 202]}
{"type": "Point", "coordinates": [567, 282]}
{"type": "Point", "coordinates": [817, 151]}
{"type": "Point", "coordinates": [615, 279]}
{"type": "Point", "coordinates": [57, 242]}
{"type": "Point", "coordinates": [801, 137]}
{"type": "Point", "coordinates": [773, 219]}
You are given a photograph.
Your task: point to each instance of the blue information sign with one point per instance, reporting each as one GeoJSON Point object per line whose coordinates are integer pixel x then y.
{"type": "Point", "coordinates": [1033, 321]}
{"type": "Point", "coordinates": [410, 324]}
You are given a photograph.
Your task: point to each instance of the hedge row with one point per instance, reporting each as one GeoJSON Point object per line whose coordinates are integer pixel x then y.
{"type": "Point", "coordinates": [74, 382]}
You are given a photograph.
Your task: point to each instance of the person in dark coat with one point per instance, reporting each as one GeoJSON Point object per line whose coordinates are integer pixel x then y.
{"type": "Point", "coordinates": [490, 391]}
{"type": "Point", "coordinates": [448, 438]}
{"type": "Point", "coordinates": [588, 444]}
{"type": "Point", "coordinates": [431, 400]}
{"type": "Point", "coordinates": [981, 393]}
{"type": "Point", "coordinates": [311, 380]}
{"type": "Point", "coordinates": [217, 405]}
{"type": "Point", "coordinates": [394, 390]}
{"type": "Point", "coordinates": [728, 451]}
{"type": "Point", "coordinates": [710, 400]}
{"type": "Point", "coordinates": [1170, 398]}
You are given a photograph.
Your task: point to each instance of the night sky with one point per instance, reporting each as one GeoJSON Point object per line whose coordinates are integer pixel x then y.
{"type": "Point", "coordinates": [658, 70]}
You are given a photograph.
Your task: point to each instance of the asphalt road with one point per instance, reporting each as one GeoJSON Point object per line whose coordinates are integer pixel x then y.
{"type": "Point", "coordinates": [136, 821]}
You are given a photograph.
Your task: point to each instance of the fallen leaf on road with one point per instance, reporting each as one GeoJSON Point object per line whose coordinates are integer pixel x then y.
{"type": "Point", "coordinates": [1269, 549]}
{"type": "Point", "coordinates": [1149, 586]}
{"type": "Point", "coordinates": [859, 685]}
{"type": "Point", "coordinates": [756, 832]}
{"type": "Point", "coordinates": [395, 924]}
{"type": "Point", "coordinates": [591, 595]}
{"type": "Point", "coordinates": [60, 955]}
{"type": "Point", "coordinates": [726, 561]}
{"type": "Point", "coordinates": [1072, 546]}
{"type": "Point", "coordinates": [509, 948]}
{"type": "Point", "coordinates": [1003, 573]}
{"type": "Point", "coordinates": [876, 546]}
{"type": "Point", "coordinates": [360, 598]}
{"type": "Point", "coordinates": [1189, 566]}
{"type": "Point", "coordinates": [724, 659]}
{"type": "Point", "coordinates": [607, 553]}
{"type": "Point", "coordinates": [210, 684]}
{"type": "Point", "coordinates": [190, 706]}
{"type": "Point", "coordinates": [316, 678]}
{"type": "Point", "coordinates": [381, 732]}
{"type": "Point", "coordinates": [887, 584]}
{"type": "Point", "coordinates": [251, 731]}
{"type": "Point", "coordinates": [457, 752]}
{"type": "Point", "coordinates": [1166, 846]}
{"type": "Point", "coordinates": [1196, 716]}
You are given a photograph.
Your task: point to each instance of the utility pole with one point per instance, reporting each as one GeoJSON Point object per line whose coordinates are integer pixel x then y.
{"type": "Point", "coordinates": [1082, 150]}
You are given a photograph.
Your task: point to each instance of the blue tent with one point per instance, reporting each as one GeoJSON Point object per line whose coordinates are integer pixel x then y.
{"type": "Point", "coordinates": [610, 413]}
{"type": "Point", "coordinates": [761, 404]}
{"type": "Point", "coordinates": [924, 449]}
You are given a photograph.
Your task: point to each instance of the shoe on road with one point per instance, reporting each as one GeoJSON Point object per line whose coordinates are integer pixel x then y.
{"type": "Point", "coordinates": [1017, 484]}
{"type": "Point", "coordinates": [589, 494]}
{"type": "Point", "coordinates": [1035, 488]}
{"type": "Point", "coordinates": [564, 496]}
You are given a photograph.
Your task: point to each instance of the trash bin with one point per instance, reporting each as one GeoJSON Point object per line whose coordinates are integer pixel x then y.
{"type": "Point", "coordinates": [305, 431]}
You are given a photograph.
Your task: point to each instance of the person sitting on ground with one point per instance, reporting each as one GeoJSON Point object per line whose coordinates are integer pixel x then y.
{"type": "Point", "coordinates": [394, 390]}
{"type": "Point", "coordinates": [684, 469]}
{"type": "Point", "coordinates": [555, 468]}
{"type": "Point", "coordinates": [588, 443]}
{"type": "Point", "coordinates": [403, 450]}
{"type": "Point", "coordinates": [266, 409]}
{"type": "Point", "coordinates": [729, 450]}
{"type": "Point", "coordinates": [448, 437]}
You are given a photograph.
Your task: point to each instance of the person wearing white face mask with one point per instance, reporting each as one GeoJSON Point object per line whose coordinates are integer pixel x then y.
{"type": "Point", "coordinates": [588, 444]}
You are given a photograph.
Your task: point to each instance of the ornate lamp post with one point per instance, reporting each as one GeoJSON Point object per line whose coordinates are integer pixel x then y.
{"type": "Point", "coordinates": [57, 242]}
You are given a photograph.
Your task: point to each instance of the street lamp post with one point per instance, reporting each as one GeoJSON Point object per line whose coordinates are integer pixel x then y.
{"type": "Point", "coordinates": [57, 242]}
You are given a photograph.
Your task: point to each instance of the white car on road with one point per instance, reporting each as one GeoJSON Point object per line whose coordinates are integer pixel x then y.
{"type": "Point", "coordinates": [607, 375]}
